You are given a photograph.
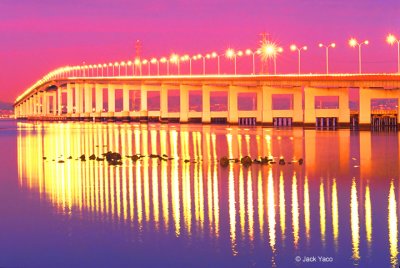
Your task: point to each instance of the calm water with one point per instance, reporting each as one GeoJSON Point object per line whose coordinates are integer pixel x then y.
{"type": "Point", "coordinates": [342, 203]}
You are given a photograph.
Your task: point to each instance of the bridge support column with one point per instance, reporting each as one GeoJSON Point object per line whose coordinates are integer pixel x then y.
{"type": "Point", "coordinates": [59, 100]}
{"type": "Point", "coordinates": [206, 114]}
{"type": "Point", "coordinates": [29, 106]}
{"type": "Point", "coordinates": [267, 105]}
{"type": "Point", "coordinates": [164, 101]}
{"type": "Point", "coordinates": [143, 103]}
{"type": "Point", "coordinates": [233, 104]}
{"type": "Point", "coordinates": [69, 99]}
{"type": "Point", "coordinates": [111, 98]}
{"type": "Point", "coordinates": [125, 98]}
{"type": "Point", "coordinates": [99, 98]}
{"type": "Point", "coordinates": [54, 102]}
{"type": "Point", "coordinates": [184, 103]}
{"type": "Point", "coordinates": [44, 102]}
{"type": "Point", "coordinates": [88, 98]}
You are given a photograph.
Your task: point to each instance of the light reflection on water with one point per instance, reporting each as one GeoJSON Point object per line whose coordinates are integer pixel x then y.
{"type": "Point", "coordinates": [265, 215]}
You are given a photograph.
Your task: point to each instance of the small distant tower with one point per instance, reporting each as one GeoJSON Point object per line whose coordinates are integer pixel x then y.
{"type": "Point", "coordinates": [138, 48]}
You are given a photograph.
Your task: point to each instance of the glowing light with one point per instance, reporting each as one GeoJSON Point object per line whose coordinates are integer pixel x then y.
{"type": "Point", "coordinates": [293, 47]}
{"type": "Point", "coordinates": [153, 60]}
{"type": "Point", "coordinates": [240, 53]}
{"type": "Point", "coordinates": [391, 39]}
{"type": "Point", "coordinates": [353, 42]}
{"type": "Point", "coordinates": [230, 53]}
{"type": "Point", "coordinates": [174, 58]}
{"type": "Point", "coordinates": [144, 61]}
{"type": "Point", "coordinates": [214, 55]}
{"type": "Point", "coordinates": [163, 60]}
{"type": "Point", "coordinates": [248, 52]}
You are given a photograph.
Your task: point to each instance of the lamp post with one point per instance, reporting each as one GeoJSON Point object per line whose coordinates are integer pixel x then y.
{"type": "Point", "coordinates": [175, 59]}
{"type": "Point", "coordinates": [155, 61]}
{"type": "Point", "coordinates": [391, 39]}
{"type": "Point", "coordinates": [188, 58]}
{"type": "Point", "coordinates": [102, 69]}
{"type": "Point", "coordinates": [138, 64]}
{"type": "Point", "coordinates": [270, 50]}
{"type": "Point", "coordinates": [353, 42]}
{"type": "Point", "coordinates": [123, 64]}
{"type": "Point", "coordinates": [230, 53]}
{"type": "Point", "coordinates": [110, 65]}
{"type": "Point", "coordinates": [144, 62]}
{"type": "Point", "coordinates": [130, 64]}
{"type": "Point", "coordinates": [164, 60]}
{"type": "Point", "coordinates": [299, 49]}
{"type": "Point", "coordinates": [250, 52]}
{"type": "Point", "coordinates": [332, 45]}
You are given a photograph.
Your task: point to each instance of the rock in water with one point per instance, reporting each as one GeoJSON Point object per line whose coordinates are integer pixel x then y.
{"type": "Point", "coordinates": [224, 161]}
{"type": "Point", "coordinates": [246, 161]}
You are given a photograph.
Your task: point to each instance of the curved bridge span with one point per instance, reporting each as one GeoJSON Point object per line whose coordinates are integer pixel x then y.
{"type": "Point", "coordinates": [282, 100]}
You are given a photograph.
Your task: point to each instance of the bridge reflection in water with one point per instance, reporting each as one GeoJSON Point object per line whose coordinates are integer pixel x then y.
{"type": "Point", "coordinates": [332, 206]}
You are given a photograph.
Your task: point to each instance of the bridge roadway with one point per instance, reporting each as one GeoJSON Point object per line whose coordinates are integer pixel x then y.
{"type": "Point", "coordinates": [80, 98]}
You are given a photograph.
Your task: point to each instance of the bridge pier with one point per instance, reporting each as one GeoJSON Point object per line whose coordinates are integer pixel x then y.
{"type": "Point", "coordinates": [206, 110]}
{"type": "Point", "coordinates": [233, 104]}
{"type": "Point", "coordinates": [312, 112]}
{"type": "Point", "coordinates": [295, 111]}
{"type": "Point", "coordinates": [366, 96]}
{"type": "Point", "coordinates": [184, 103]}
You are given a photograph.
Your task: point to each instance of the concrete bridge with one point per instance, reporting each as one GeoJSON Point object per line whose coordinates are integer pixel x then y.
{"type": "Point", "coordinates": [284, 100]}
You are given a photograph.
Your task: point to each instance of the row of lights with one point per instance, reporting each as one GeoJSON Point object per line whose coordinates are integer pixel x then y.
{"type": "Point", "coordinates": [267, 51]}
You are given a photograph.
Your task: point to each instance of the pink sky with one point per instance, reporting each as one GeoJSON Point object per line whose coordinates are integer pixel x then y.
{"type": "Point", "coordinates": [40, 35]}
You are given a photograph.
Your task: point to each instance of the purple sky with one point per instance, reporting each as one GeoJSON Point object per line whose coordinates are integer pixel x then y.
{"type": "Point", "coordinates": [40, 35]}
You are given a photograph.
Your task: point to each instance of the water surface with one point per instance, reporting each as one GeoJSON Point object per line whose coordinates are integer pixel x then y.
{"type": "Point", "coordinates": [58, 212]}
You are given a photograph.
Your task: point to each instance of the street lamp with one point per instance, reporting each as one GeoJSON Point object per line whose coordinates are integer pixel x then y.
{"type": "Point", "coordinates": [299, 49]}
{"type": "Point", "coordinates": [230, 54]}
{"type": "Point", "coordinates": [332, 45]}
{"type": "Point", "coordinates": [131, 64]}
{"type": "Point", "coordinates": [110, 65]}
{"type": "Point", "coordinates": [353, 42]}
{"type": "Point", "coordinates": [102, 69]}
{"type": "Point", "coordinates": [126, 66]}
{"type": "Point", "coordinates": [144, 62]}
{"type": "Point", "coordinates": [175, 59]}
{"type": "Point", "coordinates": [99, 66]}
{"type": "Point", "coordinates": [116, 64]}
{"type": "Point", "coordinates": [391, 39]}
{"type": "Point", "coordinates": [155, 61]}
{"type": "Point", "coordinates": [164, 60]}
{"type": "Point", "coordinates": [270, 50]}
{"type": "Point", "coordinates": [188, 58]}
{"type": "Point", "coordinates": [250, 52]}
{"type": "Point", "coordinates": [138, 64]}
